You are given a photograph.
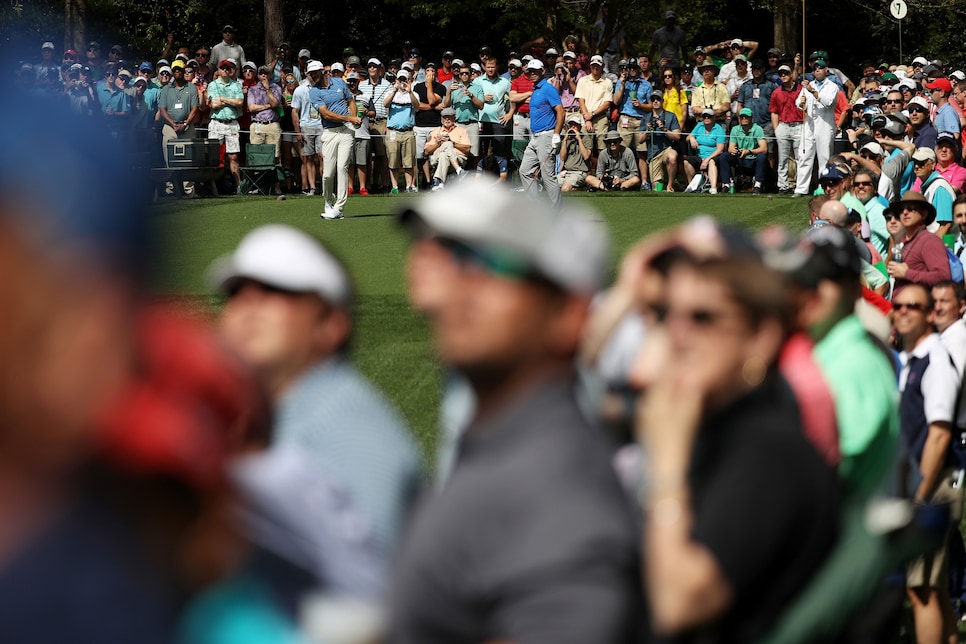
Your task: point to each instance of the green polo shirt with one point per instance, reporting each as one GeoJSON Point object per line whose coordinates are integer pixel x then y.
{"type": "Point", "coordinates": [218, 89]}
{"type": "Point", "coordinates": [864, 387]}
{"type": "Point", "coordinates": [747, 140]}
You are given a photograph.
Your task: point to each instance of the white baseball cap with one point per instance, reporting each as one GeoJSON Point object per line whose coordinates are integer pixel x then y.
{"type": "Point", "coordinates": [337, 67]}
{"type": "Point", "coordinates": [570, 248]}
{"type": "Point", "coordinates": [314, 66]}
{"type": "Point", "coordinates": [920, 60]}
{"type": "Point", "coordinates": [918, 100]}
{"type": "Point", "coordinates": [874, 148]}
{"type": "Point", "coordinates": [535, 64]}
{"type": "Point", "coordinates": [286, 258]}
{"type": "Point", "coordinates": [304, 53]}
{"type": "Point", "coordinates": [374, 61]}
{"type": "Point", "coordinates": [597, 60]}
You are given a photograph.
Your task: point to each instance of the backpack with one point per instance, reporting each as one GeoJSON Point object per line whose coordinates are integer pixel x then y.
{"type": "Point", "coordinates": [955, 266]}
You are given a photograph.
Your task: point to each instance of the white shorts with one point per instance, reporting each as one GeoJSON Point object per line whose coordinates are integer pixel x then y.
{"type": "Point", "coordinates": [226, 133]}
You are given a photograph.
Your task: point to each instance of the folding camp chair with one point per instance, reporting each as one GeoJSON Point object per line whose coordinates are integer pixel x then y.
{"type": "Point", "coordinates": [261, 171]}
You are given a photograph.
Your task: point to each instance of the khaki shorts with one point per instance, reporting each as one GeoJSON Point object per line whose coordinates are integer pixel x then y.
{"type": "Point", "coordinates": [630, 131]}
{"type": "Point", "coordinates": [656, 166]}
{"type": "Point", "coordinates": [268, 134]}
{"type": "Point", "coordinates": [932, 570]}
{"type": "Point", "coordinates": [576, 178]}
{"type": "Point", "coordinates": [377, 130]}
{"type": "Point", "coordinates": [401, 149]}
{"type": "Point", "coordinates": [601, 123]}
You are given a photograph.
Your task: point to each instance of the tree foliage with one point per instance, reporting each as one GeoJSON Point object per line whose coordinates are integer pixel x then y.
{"type": "Point", "coordinates": [851, 31]}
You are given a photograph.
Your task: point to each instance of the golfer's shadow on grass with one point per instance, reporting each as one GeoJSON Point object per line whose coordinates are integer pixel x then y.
{"type": "Point", "coordinates": [375, 214]}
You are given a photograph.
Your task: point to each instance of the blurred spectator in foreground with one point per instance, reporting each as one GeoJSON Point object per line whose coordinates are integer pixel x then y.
{"type": "Point", "coordinates": [289, 316]}
{"type": "Point", "coordinates": [509, 316]}
{"type": "Point", "coordinates": [111, 492]}
{"type": "Point", "coordinates": [723, 438]}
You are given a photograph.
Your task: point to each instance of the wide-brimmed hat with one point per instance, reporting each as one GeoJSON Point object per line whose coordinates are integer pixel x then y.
{"type": "Point", "coordinates": [913, 199]}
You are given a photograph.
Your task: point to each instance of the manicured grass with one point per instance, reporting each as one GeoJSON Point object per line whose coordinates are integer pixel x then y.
{"type": "Point", "coordinates": [391, 342]}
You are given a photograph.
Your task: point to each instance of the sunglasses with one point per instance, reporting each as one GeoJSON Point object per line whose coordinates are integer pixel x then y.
{"type": "Point", "coordinates": [828, 183]}
{"type": "Point", "coordinates": [893, 101]}
{"type": "Point", "coordinates": [889, 216]}
{"type": "Point", "coordinates": [909, 306]}
{"type": "Point", "coordinates": [698, 317]}
{"type": "Point", "coordinates": [669, 76]}
{"type": "Point", "coordinates": [164, 74]}
{"type": "Point", "coordinates": [917, 110]}
{"type": "Point", "coordinates": [199, 54]}
{"type": "Point", "coordinates": [784, 73]}
{"type": "Point", "coordinates": [93, 49]}
{"type": "Point", "coordinates": [862, 184]}
{"type": "Point", "coordinates": [464, 73]}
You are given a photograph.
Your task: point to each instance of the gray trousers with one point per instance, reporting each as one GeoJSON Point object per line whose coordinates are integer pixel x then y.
{"type": "Point", "coordinates": [539, 154]}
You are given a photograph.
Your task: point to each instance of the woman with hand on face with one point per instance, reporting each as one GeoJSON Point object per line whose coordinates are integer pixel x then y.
{"type": "Point", "coordinates": [740, 509]}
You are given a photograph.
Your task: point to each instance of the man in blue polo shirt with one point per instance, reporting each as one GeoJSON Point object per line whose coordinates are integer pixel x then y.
{"type": "Point", "coordinates": [633, 99]}
{"type": "Point", "coordinates": [546, 120]}
{"type": "Point", "coordinates": [336, 105]}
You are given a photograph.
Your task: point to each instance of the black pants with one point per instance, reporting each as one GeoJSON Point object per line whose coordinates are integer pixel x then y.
{"type": "Point", "coordinates": [499, 136]}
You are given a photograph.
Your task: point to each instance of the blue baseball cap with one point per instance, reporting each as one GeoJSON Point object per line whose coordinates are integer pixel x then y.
{"type": "Point", "coordinates": [146, 67]}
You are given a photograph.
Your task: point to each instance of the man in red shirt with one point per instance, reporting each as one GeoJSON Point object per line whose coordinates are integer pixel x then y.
{"type": "Point", "coordinates": [521, 88]}
{"type": "Point", "coordinates": [444, 74]}
{"type": "Point", "coordinates": [786, 119]}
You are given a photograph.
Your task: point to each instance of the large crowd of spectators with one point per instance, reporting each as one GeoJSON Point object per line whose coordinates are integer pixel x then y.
{"type": "Point", "coordinates": [716, 118]}
{"type": "Point", "coordinates": [741, 439]}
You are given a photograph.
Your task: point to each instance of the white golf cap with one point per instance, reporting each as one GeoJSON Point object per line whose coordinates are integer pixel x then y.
{"type": "Point", "coordinates": [569, 248]}
{"type": "Point", "coordinates": [314, 66]}
{"type": "Point", "coordinates": [597, 60]}
{"type": "Point", "coordinates": [535, 64]}
{"type": "Point", "coordinates": [337, 67]}
{"type": "Point", "coordinates": [873, 148]}
{"type": "Point", "coordinates": [286, 258]}
{"type": "Point", "coordinates": [374, 61]}
{"type": "Point", "coordinates": [920, 60]}
{"type": "Point", "coordinates": [304, 53]}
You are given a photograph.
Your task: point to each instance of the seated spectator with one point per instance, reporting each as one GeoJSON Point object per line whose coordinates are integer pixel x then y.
{"type": "Point", "coordinates": [747, 148]}
{"type": "Point", "coordinates": [616, 166]}
{"type": "Point", "coordinates": [574, 155]}
{"type": "Point", "coordinates": [447, 148]}
{"type": "Point", "coordinates": [661, 130]}
{"type": "Point", "coordinates": [707, 141]}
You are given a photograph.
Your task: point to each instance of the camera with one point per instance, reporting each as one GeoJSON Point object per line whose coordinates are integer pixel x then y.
{"type": "Point", "coordinates": [607, 180]}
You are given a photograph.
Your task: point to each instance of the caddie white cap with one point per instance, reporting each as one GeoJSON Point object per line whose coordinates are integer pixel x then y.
{"type": "Point", "coordinates": [286, 258]}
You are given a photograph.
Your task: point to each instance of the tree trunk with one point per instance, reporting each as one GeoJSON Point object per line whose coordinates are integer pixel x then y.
{"type": "Point", "coordinates": [788, 33]}
{"type": "Point", "coordinates": [274, 27]}
{"type": "Point", "coordinates": [75, 27]}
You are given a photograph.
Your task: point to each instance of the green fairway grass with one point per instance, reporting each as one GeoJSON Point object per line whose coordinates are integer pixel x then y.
{"type": "Point", "coordinates": [391, 341]}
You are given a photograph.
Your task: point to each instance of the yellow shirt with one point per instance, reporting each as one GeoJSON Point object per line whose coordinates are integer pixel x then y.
{"type": "Point", "coordinates": [676, 102]}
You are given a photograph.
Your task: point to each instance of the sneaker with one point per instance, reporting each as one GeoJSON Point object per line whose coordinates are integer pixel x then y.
{"type": "Point", "coordinates": [309, 193]}
{"type": "Point", "coordinates": [332, 213]}
{"type": "Point", "coordinates": [437, 184]}
{"type": "Point", "coordinates": [413, 189]}
{"type": "Point", "coordinates": [712, 191]}
{"type": "Point", "coordinates": [394, 191]}
{"type": "Point", "coordinates": [460, 172]}
{"type": "Point", "coordinates": [351, 190]}
{"type": "Point", "coordinates": [757, 189]}
{"type": "Point", "coordinates": [363, 192]}
{"type": "Point", "coordinates": [645, 186]}
{"type": "Point", "coordinates": [784, 191]}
